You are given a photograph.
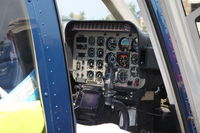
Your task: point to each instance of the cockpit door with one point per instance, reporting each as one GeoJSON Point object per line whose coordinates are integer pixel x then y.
{"type": "Point", "coordinates": [175, 38]}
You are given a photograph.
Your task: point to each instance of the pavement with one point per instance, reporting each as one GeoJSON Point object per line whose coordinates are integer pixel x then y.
{"type": "Point", "coordinates": [103, 128]}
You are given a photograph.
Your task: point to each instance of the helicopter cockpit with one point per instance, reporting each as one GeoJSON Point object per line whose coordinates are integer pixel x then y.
{"type": "Point", "coordinates": [114, 75]}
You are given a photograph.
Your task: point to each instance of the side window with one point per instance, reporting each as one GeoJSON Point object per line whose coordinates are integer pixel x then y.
{"type": "Point", "coordinates": [191, 8]}
{"type": "Point", "coordinates": [190, 5]}
{"type": "Point", "coordinates": [16, 60]}
{"type": "Point", "coordinates": [197, 21]}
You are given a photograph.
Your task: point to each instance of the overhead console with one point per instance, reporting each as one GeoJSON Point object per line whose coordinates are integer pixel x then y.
{"type": "Point", "coordinates": [97, 44]}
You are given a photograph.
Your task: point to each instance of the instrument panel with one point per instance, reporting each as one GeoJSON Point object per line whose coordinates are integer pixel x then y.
{"type": "Point", "coordinates": [94, 51]}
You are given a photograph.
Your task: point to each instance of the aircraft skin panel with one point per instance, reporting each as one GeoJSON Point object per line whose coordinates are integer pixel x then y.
{"type": "Point", "coordinates": [174, 65]}
{"type": "Point", "coordinates": [52, 69]}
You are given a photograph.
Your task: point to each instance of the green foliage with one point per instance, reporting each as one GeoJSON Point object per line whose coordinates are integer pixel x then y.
{"type": "Point", "coordinates": [74, 16]}
{"type": "Point", "coordinates": [80, 16]}
{"type": "Point", "coordinates": [109, 17]}
{"type": "Point", "coordinates": [65, 18]}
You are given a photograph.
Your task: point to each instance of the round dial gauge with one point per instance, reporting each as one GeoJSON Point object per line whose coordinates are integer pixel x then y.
{"type": "Point", "coordinates": [124, 44]}
{"type": "Point", "coordinates": [122, 76]}
{"type": "Point", "coordinates": [100, 52]}
{"type": "Point", "coordinates": [91, 63]}
{"type": "Point", "coordinates": [134, 72]}
{"type": "Point", "coordinates": [90, 75]}
{"type": "Point", "coordinates": [111, 58]}
{"type": "Point", "coordinates": [91, 40]}
{"type": "Point", "coordinates": [99, 75]}
{"type": "Point", "coordinates": [135, 45]}
{"type": "Point", "coordinates": [134, 59]}
{"type": "Point", "coordinates": [91, 52]}
{"type": "Point", "coordinates": [123, 60]}
{"type": "Point", "coordinates": [100, 41]}
{"type": "Point", "coordinates": [111, 43]}
{"type": "Point", "coordinates": [99, 64]}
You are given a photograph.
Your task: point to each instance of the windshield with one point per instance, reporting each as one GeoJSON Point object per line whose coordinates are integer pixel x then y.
{"type": "Point", "coordinates": [94, 10]}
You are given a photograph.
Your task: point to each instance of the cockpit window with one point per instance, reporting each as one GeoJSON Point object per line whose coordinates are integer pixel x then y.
{"type": "Point", "coordinates": [84, 10]}
{"type": "Point", "coordinates": [16, 60]}
{"type": "Point", "coordinates": [135, 9]}
{"type": "Point", "coordinates": [197, 21]}
{"type": "Point", "coordinates": [190, 5]}
{"type": "Point", "coordinates": [95, 10]}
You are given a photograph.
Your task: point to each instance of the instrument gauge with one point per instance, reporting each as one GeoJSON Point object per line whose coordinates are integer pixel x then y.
{"type": "Point", "coordinates": [135, 45]}
{"type": "Point", "coordinates": [124, 44]}
{"type": "Point", "coordinates": [91, 63]}
{"type": "Point", "coordinates": [91, 52]}
{"type": "Point", "coordinates": [134, 59]}
{"type": "Point", "coordinates": [122, 76]}
{"type": "Point", "coordinates": [99, 64]}
{"type": "Point", "coordinates": [99, 75]}
{"type": "Point", "coordinates": [90, 75]}
{"type": "Point", "coordinates": [134, 72]}
{"type": "Point", "coordinates": [123, 60]}
{"type": "Point", "coordinates": [91, 40]}
{"type": "Point", "coordinates": [100, 52]}
{"type": "Point", "coordinates": [100, 41]}
{"type": "Point", "coordinates": [111, 43]}
{"type": "Point", "coordinates": [110, 58]}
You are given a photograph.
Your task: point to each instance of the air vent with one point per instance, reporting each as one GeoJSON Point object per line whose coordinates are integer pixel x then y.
{"type": "Point", "coordinates": [102, 26]}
